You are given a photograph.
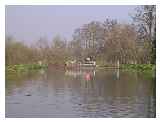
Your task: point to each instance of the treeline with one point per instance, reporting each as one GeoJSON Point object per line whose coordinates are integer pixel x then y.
{"type": "Point", "coordinates": [105, 42]}
{"type": "Point", "coordinates": [55, 52]}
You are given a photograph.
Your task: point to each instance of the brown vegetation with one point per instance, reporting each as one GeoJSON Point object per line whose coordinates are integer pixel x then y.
{"type": "Point", "coordinates": [105, 42]}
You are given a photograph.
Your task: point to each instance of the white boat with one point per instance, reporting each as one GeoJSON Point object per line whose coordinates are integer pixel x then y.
{"type": "Point", "coordinates": [89, 64]}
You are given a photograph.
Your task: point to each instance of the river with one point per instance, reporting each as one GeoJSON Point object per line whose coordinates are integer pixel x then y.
{"type": "Point", "coordinates": [80, 93]}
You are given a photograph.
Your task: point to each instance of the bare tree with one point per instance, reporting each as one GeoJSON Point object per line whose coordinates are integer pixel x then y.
{"type": "Point", "coordinates": [145, 20]}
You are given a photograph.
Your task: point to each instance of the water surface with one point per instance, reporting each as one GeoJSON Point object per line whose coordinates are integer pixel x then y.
{"type": "Point", "coordinates": [80, 93]}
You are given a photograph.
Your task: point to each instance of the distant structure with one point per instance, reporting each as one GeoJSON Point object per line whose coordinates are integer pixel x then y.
{"type": "Point", "coordinates": [89, 62]}
{"type": "Point", "coordinates": [78, 64]}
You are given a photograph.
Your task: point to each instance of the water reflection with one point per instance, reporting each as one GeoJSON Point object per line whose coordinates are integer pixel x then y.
{"type": "Point", "coordinates": [80, 93]}
{"type": "Point", "coordinates": [80, 72]}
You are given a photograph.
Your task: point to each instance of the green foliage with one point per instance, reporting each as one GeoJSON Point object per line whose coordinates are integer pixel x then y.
{"type": "Point", "coordinates": [24, 67]}
{"type": "Point", "coordinates": [141, 67]}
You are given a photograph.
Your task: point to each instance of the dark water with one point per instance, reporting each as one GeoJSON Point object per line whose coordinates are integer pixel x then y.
{"type": "Point", "coordinates": [83, 93]}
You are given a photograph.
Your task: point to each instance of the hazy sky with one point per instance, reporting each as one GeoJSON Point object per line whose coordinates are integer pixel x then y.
{"type": "Point", "coordinates": [29, 23]}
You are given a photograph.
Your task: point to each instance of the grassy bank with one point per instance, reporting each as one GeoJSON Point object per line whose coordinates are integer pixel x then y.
{"type": "Point", "coordinates": [24, 67]}
{"type": "Point", "coordinates": [141, 67]}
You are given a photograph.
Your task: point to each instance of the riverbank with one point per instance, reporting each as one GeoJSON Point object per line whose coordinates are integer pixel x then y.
{"type": "Point", "coordinates": [24, 67]}
{"type": "Point", "coordinates": [127, 66]}
{"type": "Point", "coordinates": [141, 67]}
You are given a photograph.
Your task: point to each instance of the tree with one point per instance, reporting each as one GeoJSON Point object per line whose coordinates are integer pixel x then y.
{"type": "Point", "coordinates": [59, 50]}
{"type": "Point", "coordinates": [89, 36]}
{"type": "Point", "coordinates": [145, 20]}
{"type": "Point", "coordinates": [120, 44]}
{"type": "Point", "coordinates": [18, 53]}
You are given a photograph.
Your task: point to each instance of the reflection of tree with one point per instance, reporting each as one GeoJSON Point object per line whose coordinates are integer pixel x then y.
{"type": "Point", "coordinates": [131, 93]}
